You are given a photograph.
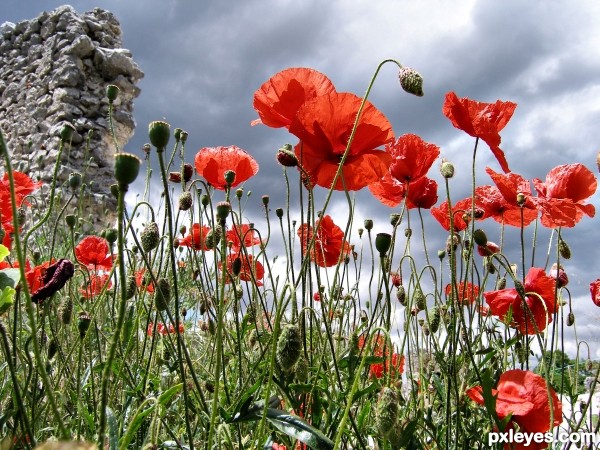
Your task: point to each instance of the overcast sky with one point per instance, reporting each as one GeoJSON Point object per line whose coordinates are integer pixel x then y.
{"type": "Point", "coordinates": [204, 60]}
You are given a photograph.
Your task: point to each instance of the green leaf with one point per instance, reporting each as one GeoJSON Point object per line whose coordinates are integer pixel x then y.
{"type": "Point", "coordinates": [9, 277]}
{"type": "Point", "coordinates": [4, 252]}
{"type": "Point", "coordinates": [7, 298]}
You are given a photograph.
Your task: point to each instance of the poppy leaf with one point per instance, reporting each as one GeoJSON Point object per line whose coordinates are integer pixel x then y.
{"type": "Point", "coordinates": [9, 278]}
{"type": "Point", "coordinates": [7, 298]}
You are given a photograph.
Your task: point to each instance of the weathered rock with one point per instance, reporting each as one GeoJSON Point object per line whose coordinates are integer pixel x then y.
{"type": "Point", "coordinates": [55, 69]}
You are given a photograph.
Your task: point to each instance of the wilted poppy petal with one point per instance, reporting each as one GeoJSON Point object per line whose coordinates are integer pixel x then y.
{"type": "Point", "coordinates": [280, 97]}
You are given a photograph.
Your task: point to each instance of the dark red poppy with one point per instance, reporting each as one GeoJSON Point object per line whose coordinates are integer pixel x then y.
{"type": "Point", "coordinates": [251, 269]}
{"type": "Point", "coordinates": [378, 370]}
{"type": "Point", "coordinates": [561, 198]}
{"type": "Point", "coordinates": [467, 292]}
{"type": "Point", "coordinates": [595, 291]}
{"type": "Point", "coordinates": [539, 297]}
{"type": "Point", "coordinates": [35, 275]}
{"type": "Point", "coordinates": [507, 210]}
{"type": "Point", "coordinates": [558, 273]}
{"type": "Point", "coordinates": [523, 395]}
{"type": "Point", "coordinates": [277, 101]}
{"type": "Point", "coordinates": [95, 285]}
{"type": "Point", "coordinates": [55, 277]}
{"type": "Point", "coordinates": [329, 242]}
{"type": "Point", "coordinates": [196, 238]}
{"type": "Point", "coordinates": [482, 120]}
{"type": "Point", "coordinates": [324, 125]}
{"type": "Point", "coordinates": [241, 236]}
{"type": "Point", "coordinates": [461, 212]}
{"type": "Point", "coordinates": [212, 163]}
{"type": "Point", "coordinates": [93, 252]}
{"type": "Point", "coordinates": [489, 249]}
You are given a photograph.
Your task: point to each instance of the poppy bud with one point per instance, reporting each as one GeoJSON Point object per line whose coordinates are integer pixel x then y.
{"type": "Point", "coordinates": [419, 300]}
{"type": "Point", "coordinates": [368, 224]}
{"type": "Point", "coordinates": [501, 283]}
{"type": "Point", "coordinates": [598, 161]}
{"type": "Point", "coordinates": [150, 237]}
{"type": "Point", "coordinates": [66, 133]}
{"type": "Point", "coordinates": [131, 288]}
{"type": "Point", "coordinates": [479, 237]}
{"type": "Point", "coordinates": [65, 311]}
{"type": "Point", "coordinates": [236, 266]}
{"type": "Point", "coordinates": [112, 92]}
{"type": "Point", "coordinates": [184, 136]}
{"type": "Point", "coordinates": [188, 172]}
{"type": "Point", "coordinates": [434, 318]}
{"type": "Point", "coordinates": [229, 177]}
{"type": "Point", "coordinates": [213, 237]}
{"type": "Point", "coordinates": [386, 411]}
{"type": "Point", "coordinates": [162, 294]}
{"type": "Point", "coordinates": [146, 149]}
{"type": "Point", "coordinates": [570, 319]}
{"type": "Point", "coordinates": [185, 201]}
{"type": "Point", "coordinates": [521, 199]}
{"type": "Point", "coordinates": [52, 348]}
{"type": "Point", "coordinates": [401, 295]}
{"type": "Point", "coordinates": [408, 233]}
{"type": "Point", "coordinates": [559, 275]}
{"type": "Point", "coordinates": [205, 200]}
{"type": "Point", "coordinates": [279, 212]}
{"type": "Point", "coordinates": [394, 219]}
{"type": "Point", "coordinates": [223, 209]}
{"type": "Point", "coordinates": [452, 243]}
{"type": "Point", "coordinates": [175, 177]}
{"type": "Point", "coordinates": [265, 200]}
{"type": "Point", "coordinates": [74, 180]}
{"type": "Point", "coordinates": [159, 133]}
{"type": "Point", "coordinates": [36, 256]}
{"type": "Point", "coordinates": [175, 242]}
{"type": "Point", "coordinates": [83, 323]}
{"type": "Point", "coordinates": [441, 254]}
{"type": "Point", "coordinates": [447, 169]}
{"type": "Point", "coordinates": [360, 232]}
{"type": "Point", "coordinates": [363, 316]}
{"type": "Point", "coordinates": [289, 347]}
{"type": "Point", "coordinates": [383, 242]}
{"type": "Point", "coordinates": [111, 235]}
{"type": "Point", "coordinates": [182, 230]}
{"type": "Point", "coordinates": [411, 81]}
{"type": "Point", "coordinates": [239, 192]}
{"type": "Point", "coordinates": [127, 167]}
{"type": "Point", "coordinates": [563, 249]}
{"type": "Point", "coordinates": [114, 190]}
{"type": "Point", "coordinates": [177, 134]}
{"type": "Point", "coordinates": [286, 157]}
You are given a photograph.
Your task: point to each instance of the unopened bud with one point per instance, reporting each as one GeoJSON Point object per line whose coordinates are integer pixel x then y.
{"type": "Point", "coordinates": [411, 81]}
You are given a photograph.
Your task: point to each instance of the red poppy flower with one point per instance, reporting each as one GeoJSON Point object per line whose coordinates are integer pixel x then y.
{"type": "Point", "coordinates": [467, 292]}
{"type": "Point", "coordinates": [35, 275]}
{"type": "Point", "coordinates": [93, 252]}
{"type": "Point", "coordinates": [324, 125]}
{"type": "Point", "coordinates": [95, 285]}
{"type": "Point", "coordinates": [559, 274]}
{"type": "Point", "coordinates": [277, 101]}
{"type": "Point", "coordinates": [595, 291]}
{"type": "Point", "coordinates": [482, 120]}
{"type": "Point", "coordinates": [196, 238]}
{"type": "Point", "coordinates": [23, 185]}
{"type": "Point", "coordinates": [377, 370]}
{"type": "Point", "coordinates": [539, 297]}
{"type": "Point", "coordinates": [508, 212]}
{"type": "Point", "coordinates": [329, 242]}
{"type": "Point", "coordinates": [412, 157]}
{"type": "Point", "coordinates": [461, 211]}
{"type": "Point", "coordinates": [489, 249]}
{"type": "Point", "coordinates": [250, 266]}
{"type": "Point", "coordinates": [143, 280]}
{"type": "Point", "coordinates": [422, 193]}
{"type": "Point", "coordinates": [523, 395]}
{"type": "Point", "coordinates": [212, 163]}
{"type": "Point", "coordinates": [561, 198]}
{"type": "Point", "coordinates": [241, 236]}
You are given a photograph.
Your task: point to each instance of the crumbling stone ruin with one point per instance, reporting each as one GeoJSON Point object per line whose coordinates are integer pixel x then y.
{"type": "Point", "coordinates": [54, 69]}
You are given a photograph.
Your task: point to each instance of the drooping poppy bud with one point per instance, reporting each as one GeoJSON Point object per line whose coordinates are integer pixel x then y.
{"type": "Point", "coordinates": [188, 172]}
{"type": "Point", "coordinates": [386, 411]}
{"type": "Point", "coordinates": [185, 201]}
{"type": "Point", "coordinates": [289, 347]}
{"type": "Point", "coordinates": [150, 236]}
{"type": "Point", "coordinates": [411, 81]}
{"type": "Point", "coordinates": [162, 294]}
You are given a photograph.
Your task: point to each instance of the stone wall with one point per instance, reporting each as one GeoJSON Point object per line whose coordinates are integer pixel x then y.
{"type": "Point", "coordinates": [55, 69]}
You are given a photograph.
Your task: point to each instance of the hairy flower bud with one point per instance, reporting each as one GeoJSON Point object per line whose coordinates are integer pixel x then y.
{"type": "Point", "coordinates": [289, 347]}
{"type": "Point", "coordinates": [447, 169]}
{"type": "Point", "coordinates": [386, 411]}
{"type": "Point", "coordinates": [411, 81]}
{"type": "Point", "coordinates": [185, 201]}
{"type": "Point", "coordinates": [162, 294]}
{"type": "Point", "coordinates": [150, 237]}
{"type": "Point", "coordinates": [286, 157]}
{"type": "Point", "coordinates": [480, 237]}
{"type": "Point", "coordinates": [564, 249]}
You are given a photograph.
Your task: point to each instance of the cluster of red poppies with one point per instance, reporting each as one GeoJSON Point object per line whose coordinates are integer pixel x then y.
{"type": "Point", "coordinates": [23, 187]}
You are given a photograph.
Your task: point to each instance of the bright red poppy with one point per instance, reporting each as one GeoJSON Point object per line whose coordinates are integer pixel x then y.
{"type": "Point", "coordinates": [251, 269]}
{"type": "Point", "coordinates": [212, 163]}
{"type": "Point", "coordinates": [95, 285]}
{"type": "Point", "coordinates": [461, 211]}
{"type": "Point", "coordinates": [196, 238]}
{"type": "Point", "coordinates": [241, 236]}
{"type": "Point", "coordinates": [467, 292]}
{"type": "Point", "coordinates": [482, 120]}
{"type": "Point", "coordinates": [539, 297]}
{"type": "Point", "coordinates": [277, 101]}
{"type": "Point", "coordinates": [35, 275]}
{"type": "Point", "coordinates": [23, 187]}
{"type": "Point", "coordinates": [561, 198]}
{"type": "Point", "coordinates": [412, 157]}
{"type": "Point", "coordinates": [143, 280]}
{"type": "Point", "coordinates": [324, 125]}
{"type": "Point", "coordinates": [329, 242]}
{"type": "Point", "coordinates": [93, 252]}
{"type": "Point", "coordinates": [500, 202]}
{"type": "Point", "coordinates": [523, 395]}
{"type": "Point", "coordinates": [595, 291]}
{"type": "Point", "coordinates": [422, 193]}
{"type": "Point", "coordinates": [377, 370]}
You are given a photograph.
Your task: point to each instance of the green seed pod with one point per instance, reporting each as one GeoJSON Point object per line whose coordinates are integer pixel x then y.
{"type": "Point", "coordinates": [127, 168]}
{"type": "Point", "coordinates": [75, 179]}
{"type": "Point", "coordinates": [229, 177]}
{"type": "Point", "coordinates": [159, 133]}
{"type": "Point", "coordinates": [223, 209]}
{"type": "Point", "coordinates": [185, 201]}
{"type": "Point", "coordinates": [66, 133]}
{"type": "Point", "coordinates": [480, 237]}
{"type": "Point", "coordinates": [150, 237]}
{"type": "Point", "coordinates": [289, 347]}
{"type": "Point", "coordinates": [447, 169]}
{"type": "Point", "coordinates": [83, 323]}
{"type": "Point", "coordinates": [383, 242]}
{"type": "Point", "coordinates": [162, 294]}
{"type": "Point", "coordinates": [52, 348]}
{"type": "Point", "coordinates": [368, 224]}
{"type": "Point", "coordinates": [411, 81]}
{"type": "Point", "coordinates": [386, 411]}
{"type": "Point", "coordinates": [111, 235]}
{"type": "Point", "coordinates": [112, 92]}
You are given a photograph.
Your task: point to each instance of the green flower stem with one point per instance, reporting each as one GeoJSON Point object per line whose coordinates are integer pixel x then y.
{"type": "Point", "coordinates": [41, 368]}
